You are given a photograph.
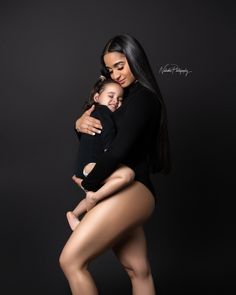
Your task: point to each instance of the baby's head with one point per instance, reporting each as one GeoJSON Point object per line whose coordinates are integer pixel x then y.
{"type": "Point", "coordinates": [107, 92]}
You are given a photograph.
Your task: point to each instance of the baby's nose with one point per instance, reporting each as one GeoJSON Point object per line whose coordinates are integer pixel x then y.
{"type": "Point", "coordinates": [115, 100]}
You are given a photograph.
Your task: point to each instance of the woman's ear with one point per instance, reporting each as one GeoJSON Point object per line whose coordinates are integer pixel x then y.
{"type": "Point", "coordinates": [96, 97]}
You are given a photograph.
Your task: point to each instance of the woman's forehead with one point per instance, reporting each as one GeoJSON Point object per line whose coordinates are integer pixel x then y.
{"type": "Point", "coordinates": [112, 59]}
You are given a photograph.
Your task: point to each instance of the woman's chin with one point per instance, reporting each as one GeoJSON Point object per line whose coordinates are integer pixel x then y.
{"type": "Point", "coordinates": [124, 85]}
{"type": "Point", "coordinates": [127, 84]}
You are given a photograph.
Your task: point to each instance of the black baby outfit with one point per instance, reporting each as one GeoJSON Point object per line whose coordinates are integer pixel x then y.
{"type": "Point", "coordinates": [136, 141]}
{"type": "Point", "coordinates": [91, 147]}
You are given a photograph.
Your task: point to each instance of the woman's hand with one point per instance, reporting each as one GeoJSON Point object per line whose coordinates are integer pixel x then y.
{"type": "Point", "coordinates": [88, 124]}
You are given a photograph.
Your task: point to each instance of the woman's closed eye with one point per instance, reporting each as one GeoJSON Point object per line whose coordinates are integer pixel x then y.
{"type": "Point", "coordinates": [119, 69]}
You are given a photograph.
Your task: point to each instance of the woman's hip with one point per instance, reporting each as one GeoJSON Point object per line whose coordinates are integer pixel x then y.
{"type": "Point", "coordinates": [136, 199]}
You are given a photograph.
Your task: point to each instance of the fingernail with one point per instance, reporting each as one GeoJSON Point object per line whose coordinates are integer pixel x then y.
{"type": "Point", "coordinates": [93, 133]}
{"type": "Point", "coordinates": [99, 131]}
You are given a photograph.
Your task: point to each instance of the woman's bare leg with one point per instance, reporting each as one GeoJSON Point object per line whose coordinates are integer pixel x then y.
{"type": "Point", "coordinates": [132, 254]}
{"type": "Point", "coordinates": [100, 229]}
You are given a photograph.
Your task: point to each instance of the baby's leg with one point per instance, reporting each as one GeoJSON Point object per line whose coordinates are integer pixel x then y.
{"type": "Point", "coordinates": [72, 216]}
{"type": "Point", "coordinates": [80, 208]}
{"type": "Point", "coordinates": [88, 168]}
{"type": "Point", "coordinates": [122, 177]}
{"type": "Point", "coordinates": [72, 220]}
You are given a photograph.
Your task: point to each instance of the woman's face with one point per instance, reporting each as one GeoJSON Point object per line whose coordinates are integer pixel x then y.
{"type": "Point", "coordinates": [110, 96]}
{"type": "Point", "coordinates": [118, 67]}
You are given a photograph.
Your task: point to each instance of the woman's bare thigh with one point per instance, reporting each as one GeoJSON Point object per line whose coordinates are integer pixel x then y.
{"type": "Point", "coordinates": [131, 251]}
{"type": "Point", "coordinates": [110, 220]}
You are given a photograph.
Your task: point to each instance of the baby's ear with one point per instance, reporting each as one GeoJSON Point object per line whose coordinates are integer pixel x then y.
{"type": "Point", "coordinates": [96, 97]}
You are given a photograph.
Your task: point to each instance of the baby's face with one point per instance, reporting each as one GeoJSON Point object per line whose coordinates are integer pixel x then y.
{"type": "Point", "coordinates": [111, 96]}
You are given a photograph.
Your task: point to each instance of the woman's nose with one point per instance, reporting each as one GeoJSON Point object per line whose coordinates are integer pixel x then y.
{"type": "Point", "coordinates": [116, 75]}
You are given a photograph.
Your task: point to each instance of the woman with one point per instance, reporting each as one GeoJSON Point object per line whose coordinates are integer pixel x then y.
{"type": "Point", "coordinates": [142, 144]}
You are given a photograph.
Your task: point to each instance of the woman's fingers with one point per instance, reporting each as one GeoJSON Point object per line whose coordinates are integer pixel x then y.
{"type": "Point", "coordinates": [93, 125]}
{"type": "Point", "coordinates": [94, 122]}
{"type": "Point", "coordinates": [88, 124]}
{"type": "Point", "coordinates": [87, 128]}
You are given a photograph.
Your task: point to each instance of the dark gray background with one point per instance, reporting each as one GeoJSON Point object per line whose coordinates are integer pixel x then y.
{"type": "Point", "coordinates": [50, 53]}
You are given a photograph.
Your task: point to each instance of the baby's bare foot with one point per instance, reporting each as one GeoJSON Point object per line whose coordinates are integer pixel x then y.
{"type": "Point", "coordinates": [72, 220]}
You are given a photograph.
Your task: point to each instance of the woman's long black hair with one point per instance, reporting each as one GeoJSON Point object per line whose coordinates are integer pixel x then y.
{"type": "Point", "coordinates": [141, 69]}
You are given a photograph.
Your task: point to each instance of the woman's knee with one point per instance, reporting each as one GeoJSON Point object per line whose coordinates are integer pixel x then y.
{"type": "Point", "coordinates": [70, 265]}
{"type": "Point", "coordinates": [138, 270]}
{"type": "Point", "coordinates": [65, 262]}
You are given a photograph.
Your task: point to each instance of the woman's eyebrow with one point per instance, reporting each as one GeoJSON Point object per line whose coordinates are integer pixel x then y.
{"type": "Point", "coordinates": [116, 64]}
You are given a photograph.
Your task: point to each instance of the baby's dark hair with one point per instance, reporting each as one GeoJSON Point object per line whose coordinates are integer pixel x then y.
{"type": "Point", "coordinates": [98, 87]}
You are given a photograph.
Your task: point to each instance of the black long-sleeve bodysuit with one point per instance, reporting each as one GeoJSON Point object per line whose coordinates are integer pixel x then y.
{"type": "Point", "coordinates": [138, 124]}
{"type": "Point", "coordinates": [91, 147]}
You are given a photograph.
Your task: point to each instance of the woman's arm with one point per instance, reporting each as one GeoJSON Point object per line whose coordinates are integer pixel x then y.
{"type": "Point", "coordinates": [87, 124]}
{"type": "Point", "coordinates": [136, 121]}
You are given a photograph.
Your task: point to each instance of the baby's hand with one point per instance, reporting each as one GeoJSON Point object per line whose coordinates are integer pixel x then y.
{"type": "Point", "coordinates": [91, 200]}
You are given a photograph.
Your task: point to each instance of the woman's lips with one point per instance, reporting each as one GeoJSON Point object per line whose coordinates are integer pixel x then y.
{"type": "Point", "coordinates": [121, 81]}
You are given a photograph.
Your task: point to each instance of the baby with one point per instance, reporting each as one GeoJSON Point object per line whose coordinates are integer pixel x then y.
{"type": "Point", "coordinates": [106, 95]}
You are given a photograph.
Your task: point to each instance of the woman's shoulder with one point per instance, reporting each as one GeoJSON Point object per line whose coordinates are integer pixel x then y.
{"type": "Point", "coordinates": [142, 95]}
